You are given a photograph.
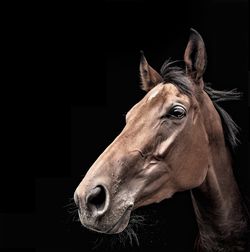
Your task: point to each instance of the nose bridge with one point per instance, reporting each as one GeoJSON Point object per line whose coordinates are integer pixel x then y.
{"type": "Point", "coordinates": [100, 172]}
{"type": "Point", "coordinates": [129, 139]}
{"type": "Point", "coordinates": [107, 165]}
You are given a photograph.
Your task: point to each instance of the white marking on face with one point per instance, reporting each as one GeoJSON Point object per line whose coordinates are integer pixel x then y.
{"type": "Point", "coordinates": [154, 93]}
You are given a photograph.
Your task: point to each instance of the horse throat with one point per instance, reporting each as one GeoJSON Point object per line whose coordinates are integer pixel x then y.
{"type": "Point", "coordinates": [218, 206]}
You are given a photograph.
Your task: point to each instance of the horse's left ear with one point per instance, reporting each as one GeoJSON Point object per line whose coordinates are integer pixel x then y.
{"type": "Point", "coordinates": [149, 77]}
{"type": "Point", "coordinates": [195, 57]}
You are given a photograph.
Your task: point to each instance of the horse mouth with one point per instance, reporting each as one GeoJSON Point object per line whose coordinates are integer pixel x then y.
{"type": "Point", "coordinates": [122, 223]}
{"type": "Point", "coordinates": [118, 227]}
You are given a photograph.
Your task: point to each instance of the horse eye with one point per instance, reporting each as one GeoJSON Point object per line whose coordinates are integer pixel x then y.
{"type": "Point", "coordinates": [177, 112]}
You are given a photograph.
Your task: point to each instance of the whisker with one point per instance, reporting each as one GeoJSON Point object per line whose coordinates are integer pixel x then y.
{"type": "Point", "coordinates": [72, 210]}
{"type": "Point", "coordinates": [134, 235]}
{"type": "Point", "coordinates": [98, 242]}
{"type": "Point", "coordinates": [71, 203]}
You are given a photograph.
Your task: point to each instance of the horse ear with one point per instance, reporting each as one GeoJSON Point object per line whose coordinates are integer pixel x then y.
{"type": "Point", "coordinates": [195, 57]}
{"type": "Point", "coordinates": [149, 77]}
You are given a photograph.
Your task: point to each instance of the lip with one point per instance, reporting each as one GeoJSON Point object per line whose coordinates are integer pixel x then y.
{"type": "Point", "coordinates": [121, 224]}
{"type": "Point", "coordinates": [118, 227]}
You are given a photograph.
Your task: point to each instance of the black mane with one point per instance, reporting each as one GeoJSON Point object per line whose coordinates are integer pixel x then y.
{"type": "Point", "coordinates": [175, 74]}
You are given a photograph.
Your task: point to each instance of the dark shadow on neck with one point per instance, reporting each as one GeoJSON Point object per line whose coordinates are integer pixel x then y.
{"type": "Point", "coordinates": [221, 216]}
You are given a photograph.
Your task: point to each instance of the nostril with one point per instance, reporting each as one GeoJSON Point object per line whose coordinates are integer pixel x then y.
{"type": "Point", "coordinates": [97, 198]}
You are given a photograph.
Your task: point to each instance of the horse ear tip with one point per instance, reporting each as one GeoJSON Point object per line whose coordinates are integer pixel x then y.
{"type": "Point", "coordinates": [143, 59]}
{"type": "Point", "coordinates": [194, 32]}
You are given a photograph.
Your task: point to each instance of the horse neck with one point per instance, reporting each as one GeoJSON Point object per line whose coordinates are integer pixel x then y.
{"type": "Point", "coordinates": [217, 201]}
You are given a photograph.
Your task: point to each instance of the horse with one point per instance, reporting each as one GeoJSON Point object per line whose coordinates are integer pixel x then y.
{"type": "Point", "coordinates": [176, 138]}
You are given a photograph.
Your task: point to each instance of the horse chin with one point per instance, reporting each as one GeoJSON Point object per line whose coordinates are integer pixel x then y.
{"type": "Point", "coordinates": [115, 228]}
{"type": "Point", "coordinates": [121, 224]}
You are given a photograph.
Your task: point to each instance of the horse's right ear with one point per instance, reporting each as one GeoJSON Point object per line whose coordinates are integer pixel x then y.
{"type": "Point", "coordinates": [195, 57]}
{"type": "Point", "coordinates": [149, 77]}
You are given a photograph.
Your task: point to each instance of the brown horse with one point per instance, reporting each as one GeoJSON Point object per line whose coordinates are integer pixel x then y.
{"type": "Point", "coordinates": [176, 138]}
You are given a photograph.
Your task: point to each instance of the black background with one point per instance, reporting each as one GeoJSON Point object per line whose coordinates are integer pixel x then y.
{"type": "Point", "coordinates": [71, 74]}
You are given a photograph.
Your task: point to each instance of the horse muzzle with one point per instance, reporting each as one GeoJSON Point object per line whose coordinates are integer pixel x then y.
{"type": "Point", "coordinates": [95, 211]}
